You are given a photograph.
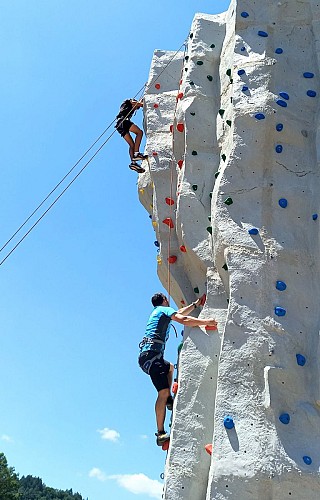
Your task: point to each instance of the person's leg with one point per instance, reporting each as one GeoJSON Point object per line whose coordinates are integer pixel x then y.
{"type": "Point", "coordinates": [170, 375]}
{"type": "Point", "coordinates": [138, 133]}
{"type": "Point", "coordinates": [160, 408]}
{"type": "Point", "coordinates": [127, 137]}
{"type": "Point", "coordinates": [159, 371]}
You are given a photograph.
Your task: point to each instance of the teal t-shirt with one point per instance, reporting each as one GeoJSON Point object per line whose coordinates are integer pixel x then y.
{"type": "Point", "coordinates": [157, 330]}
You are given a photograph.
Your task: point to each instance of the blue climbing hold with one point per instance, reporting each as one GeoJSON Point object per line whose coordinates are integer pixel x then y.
{"type": "Point", "coordinates": [284, 95]}
{"type": "Point", "coordinates": [279, 127]}
{"type": "Point", "coordinates": [157, 244]}
{"type": "Point", "coordinates": [253, 231]}
{"type": "Point", "coordinates": [228, 422]}
{"type": "Point", "coordinates": [263, 34]}
{"type": "Point", "coordinates": [307, 74]}
{"type": "Point", "coordinates": [307, 460]}
{"type": "Point", "coordinates": [280, 285]}
{"type": "Point", "coordinates": [245, 88]}
{"type": "Point", "coordinates": [279, 148]}
{"type": "Point", "coordinates": [259, 116]}
{"type": "Point", "coordinates": [284, 418]}
{"type": "Point", "coordinates": [244, 14]}
{"type": "Point", "coordinates": [283, 203]}
{"type": "Point", "coordinates": [279, 50]}
{"type": "Point", "coordinates": [315, 216]}
{"type": "Point", "coordinates": [311, 93]}
{"type": "Point", "coordinates": [280, 311]}
{"type": "Point", "coordinates": [301, 360]}
{"type": "Point", "coordinates": [241, 72]}
{"type": "Point", "coordinates": [243, 49]}
{"type": "Point", "coordinates": [281, 103]}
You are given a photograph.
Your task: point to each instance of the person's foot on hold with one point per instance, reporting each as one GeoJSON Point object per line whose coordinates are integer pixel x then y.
{"type": "Point", "coordinates": [162, 437]}
{"type": "Point", "coordinates": [135, 166]}
{"type": "Point", "coordinates": [139, 156]}
{"type": "Point", "coordinates": [169, 403]}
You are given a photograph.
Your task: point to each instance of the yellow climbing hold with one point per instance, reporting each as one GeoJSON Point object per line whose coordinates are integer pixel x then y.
{"type": "Point", "coordinates": [159, 260]}
{"type": "Point", "coordinates": [141, 190]}
{"type": "Point", "coordinates": [154, 223]}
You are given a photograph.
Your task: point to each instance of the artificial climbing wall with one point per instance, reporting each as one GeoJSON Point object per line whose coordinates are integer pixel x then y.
{"type": "Point", "coordinates": [233, 193]}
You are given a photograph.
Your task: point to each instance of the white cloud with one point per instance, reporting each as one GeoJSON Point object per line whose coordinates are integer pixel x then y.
{"type": "Point", "coordinates": [7, 438]}
{"type": "Point", "coordinates": [109, 434]}
{"type": "Point", "coordinates": [139, 484]}
{"type": "Point", "coordinates": [98, 474]}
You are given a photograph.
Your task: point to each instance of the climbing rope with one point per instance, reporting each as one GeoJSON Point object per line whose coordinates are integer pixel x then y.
{"type": "Point", "coordinates": [141, 90]}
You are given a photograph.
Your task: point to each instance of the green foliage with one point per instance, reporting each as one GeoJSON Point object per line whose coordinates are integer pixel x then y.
{"type": "Point", "coordinates": [32, 488]}
{"type": "Point", "coordinates": [9, 481]}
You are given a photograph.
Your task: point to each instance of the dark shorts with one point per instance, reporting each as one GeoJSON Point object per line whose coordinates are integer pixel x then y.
{"type": "Point", "coordinates": [158, 368]}
{"type": "Point", "coordinates": [123, 128]}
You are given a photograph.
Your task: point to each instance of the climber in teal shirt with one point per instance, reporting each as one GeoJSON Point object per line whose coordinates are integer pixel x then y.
{"type": "Point", "coordinates": [152, 348]}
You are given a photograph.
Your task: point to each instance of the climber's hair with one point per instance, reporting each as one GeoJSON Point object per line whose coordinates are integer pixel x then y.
{"type": "Point", "coordinates": [157, 299]}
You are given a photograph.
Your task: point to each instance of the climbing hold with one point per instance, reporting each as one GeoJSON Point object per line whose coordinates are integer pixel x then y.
{"type": "Point", "coordinates": [228, 201]}
{"type": "Point", "coordinates": [301, 360]}
{"type": "Point", "coordinates": [209, 328]}
{"type": "Point", "coordinates": [174, 387]}
{"type": "Point", "coordinates": [315, 216]}
{"type": "Point", "coordinates": [307, 74]}
{"type": "Point", "coordinates": [279, 148]}
{"type": "Point", "coordinates": [180, 96]}
{"type": "Point", "coordinates": [165, 445]}
{"type": "Point", "coordinates": [307, 460]}
{"type": "Point", "coordinates": [210, 195]}
{"type": "Point", "coordinates": [209, 229]}
{"type": "Point", "coordinates": [209, 218]}
{"type": "Point", "coordinates": [180, 163]}
{"type": "Point", "coordinates": [194, 153]}
{"type": "Point", "coordinates": [280, 311]}
{"type": "Point", "coordinates": [157, 244]}
{"type": "Point", "coordinates": [191, 83]}
{"type": "Point", "coordinates": [203, 299]}
{"type": "Point", "coordinates": [221, 112]}
{"type": "Point", "coordinates": [245, 88]}
{"type": "Point", "coordinates": [283, 203]}
{"type": "Point", "coordinates": [199, 63]}
{"type": "Point", "coordinates": [279, 127]}
{"type": "Point", "coordinates": [159, 260]}
{"type": "Point", "coordinates": [169, 201]}
{"type": "Point", "coordinates": [180, 127]}
{"type": "Point", "coordinates": [229, 122]}
{"type": "Point", "coordinates": [183, 303]}
{"type": "Point", "coordinates": [241, 72]}
{"type": "Point", "coordinates": [154, 223]}
{"type": "Point", "coordinates": [216, 174]}
{"type": "Point", "coordinates": [244, 14]}
{"type": "Point", "coordinates": [225, 267]}
{"type": "Point", "coordinates": [157, 86]}
{"type": "Point", "coordinates": [284, 418]}
{"type": "Point", "coordinates": [210, 78]}
{"type": "Point", "coordinates": [192, 113]}
{"type": "Point", "coordinates": [253, 231]}
{"type": "Point", "coordinates": [154, 153]}
{"type": "Point", "coordinates": [311, 93]}
{"type": "Point", "coordinates": [284, 95]}
{"type": "Point", "coordinates": [169, 222]}
{"type": "Point", "coordinates": [181, 343]}
{"type": "Point", "coordinates": [191, 35]}
{"type": "Point", "coordinates": [279, 50]}
{"type": "Point", "coordinates": [228, 422]}
{"type": "Point", "coordinates": [281, 103]}
{"type": "Point", "coordinates": [280, 285]}
{"type": "Point", "coordinates": [171, 128]}
{"type": "Point", "coordinates": [196, 290]}
{"type": "Point", "coordinates": [183, 248]}
{"type": "Point", "coordinates": [224, 157]}
{"type": "Point", "coordinates": [228, 72]}
{"type": "Point", "coordinates": [208, 448]}
{"type": "Point", "coordinates": [243, 49]}
{"type": "Point", "coordinates": [172, 259]}
{"type": "Point", "coordinates": [259, 116]}
{"type": "Point", "coordinates": [212, 46]}
{"type": "Point", "coordinates": [194, 187]}
{"type": "Point", "coordinates": [141, 190]}
{"type": "Point", "coordinates": [263, 34]}
{"type": "Point", "coordinates": [156, 105]}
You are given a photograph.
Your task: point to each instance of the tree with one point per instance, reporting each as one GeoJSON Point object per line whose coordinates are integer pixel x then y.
{"type": "Point", "coordinates": [9, 481]}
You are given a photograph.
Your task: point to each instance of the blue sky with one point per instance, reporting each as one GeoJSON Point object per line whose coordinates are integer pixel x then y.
{"type": "Point", "coordinates": [75, 295]}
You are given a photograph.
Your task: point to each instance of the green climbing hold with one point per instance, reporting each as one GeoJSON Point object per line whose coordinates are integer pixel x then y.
{"type": "Point", "coordinates": [194, 153]}
{"type": "Point", "coordinates": [192, 113]}
{"type": "Point", "coordinates": [209, 229]}
{"type": "Point", "coordinates": [186, 58]}
{"type": "Point", "coordinates": [191, 35]}
{"type": "Point", "coordinates": [224, 157]}
{"type": "Point", "coordinates": [194, 187]}
{"type": "Point", "coordinates": [229, 122]}
{"type": "Point", "coordinates": [209, 218]}
{"type": "Point", "coordinates": [221, 112]}
{"type": "Point", "coordinates": [210, 78]}
{"type": "Point", "coordinates": [228, 72]}
{"type": "Point", "coordinates": [180, 347]}
{"type": "Point", "coordinates": [228, 201]}
{"type": "Point", "coordinates": [191, 83]}
{"type": "Point", "coordinates": [216, 174]}
{"type": "Point", "coordinates": [212, 46]}
{"type": "Point", "coordinates": [225, 267]}
{"type": "Point", "coordinates": [210, 194]}
{"type": "Point", "coordinates": [231, 80]}
{"type": "Point", "coordinates": [196, 290]}
{"type": "Point", "coordinates": [199, 63]}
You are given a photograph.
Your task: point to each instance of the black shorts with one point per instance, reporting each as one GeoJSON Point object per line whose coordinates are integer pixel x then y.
{"type": "Point", "coordinates": [158, 368]}
{"type": "Point", "coordinates": [124, 127]}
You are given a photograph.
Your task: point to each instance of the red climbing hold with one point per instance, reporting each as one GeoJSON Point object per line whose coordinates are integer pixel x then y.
{"type": "Point", "coordinates": [172, 259]}
{"type": "Point", "coordinates": [154, 153]}
{"type": "Point", "coordinates": [169, 201]}
{"type": "Point", "coordinates": [180, 83]}
{"type": "Point", "coordinates": [171, 128]}
{"type": "Point", "coordinates": [179, 96]}
{"type": "Point", "coordinates": [169, 222]}
{"type": "Point", "coordinates": [183, 248]}
{"type": "Point", "coordinates": [182, 302]}
{"type": "Point", "coordinates": [208, 448]}
{"type": "Point", "coordinates": [175, 387]}
{"type": "Point", "coordinates": [165, 445]}
{"type": "Point", "coordinates": [208, 327]}
{"type": "Point", "coordinates": [157, 86]}
{"type": "Point", "coordinates": [203, 299]}
{"type": "Point", "coordinates": [180, 163]}
{"type": "Point", "coordinates": [180, 127]}
{"type": "Point", "coordinates": [156, 105]}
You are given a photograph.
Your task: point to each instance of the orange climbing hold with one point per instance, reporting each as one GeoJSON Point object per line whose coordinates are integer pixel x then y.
{"type": "Point", "coordinates": [180, 163]}
{"type": "Point", "coordinates": [179, 96]}
{"type": "Point", "coordinates": [180, 127]}
{"type": "Point", "coordinates": [183, 248]}
{"type": "Point", "coordinates": [208, 448]}
{"type": "Point", "coordinates": [175, 387]}
{"type": "Point", "coordinates": [165, 445]}
{"type": "Point", "coordinates": [208, 327]}
{"type": "Point", "coordinates": [169, 222]}
{"type": "Point", "coordinates": [169, 201]}
{"type": "Point", "coordinates": [172, 259]}
{"type": "Point", "coordinates": [157, 86]}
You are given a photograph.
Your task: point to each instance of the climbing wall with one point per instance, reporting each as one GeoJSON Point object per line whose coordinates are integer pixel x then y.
{"type": "Point", "coordinates": [233, 193]}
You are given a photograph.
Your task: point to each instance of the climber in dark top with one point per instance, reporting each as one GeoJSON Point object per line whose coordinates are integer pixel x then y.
{"type": "Point", "coordinates": [124, 126]}
{"type": "Point", "coordinates": [152, 349]}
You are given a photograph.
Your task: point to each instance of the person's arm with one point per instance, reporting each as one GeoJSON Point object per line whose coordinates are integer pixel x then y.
{"type": "Point", "coordinates": [188, 309]}
{"type": "Point", "coordinates": [190, 321]}
{"type": "Point", "coordinates": [136, 104]}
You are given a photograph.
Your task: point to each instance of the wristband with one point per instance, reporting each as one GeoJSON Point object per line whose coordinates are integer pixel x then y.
{"type": "Point", "coordinates": [194, 305]}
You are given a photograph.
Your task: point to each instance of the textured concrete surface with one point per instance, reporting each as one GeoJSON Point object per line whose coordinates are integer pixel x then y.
{"type": "Point", "coordinates": [232, 135]}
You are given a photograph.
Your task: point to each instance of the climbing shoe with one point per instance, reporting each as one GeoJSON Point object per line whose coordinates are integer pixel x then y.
{"type": "Point", "coordinates": [139, 156]}
{"type": "Point", "coordinates": [169, 403]}
{"type": "Point", "coordinates": [162, 437]}
{"type": "Point", "coordinates": [135, 166]}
